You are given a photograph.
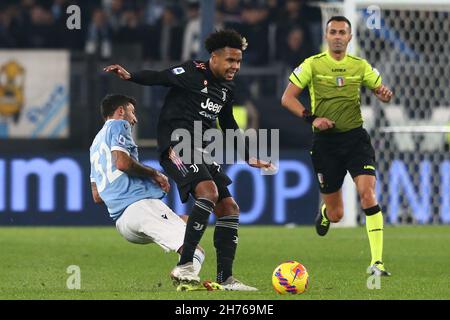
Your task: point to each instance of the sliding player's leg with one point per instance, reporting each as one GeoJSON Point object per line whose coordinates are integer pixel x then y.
{"type": "Point", "coordinates": [152, 221]}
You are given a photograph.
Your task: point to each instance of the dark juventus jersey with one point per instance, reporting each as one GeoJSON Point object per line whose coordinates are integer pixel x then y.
{"type": "Point", "coordinates": [195, 95]}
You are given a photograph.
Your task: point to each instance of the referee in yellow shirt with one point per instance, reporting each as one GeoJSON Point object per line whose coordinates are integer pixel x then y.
{"type": "Point", "coordinates": [340, 143]}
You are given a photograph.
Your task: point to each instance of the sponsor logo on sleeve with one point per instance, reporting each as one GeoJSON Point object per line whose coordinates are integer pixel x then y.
{"type": "Point", "coordinates": [121, 139]}
{"type": "Point", "coordinates": [178, 70]}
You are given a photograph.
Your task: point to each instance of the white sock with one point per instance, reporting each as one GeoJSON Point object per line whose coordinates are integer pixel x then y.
{"type": "Point", "coordinates": [199, 257]}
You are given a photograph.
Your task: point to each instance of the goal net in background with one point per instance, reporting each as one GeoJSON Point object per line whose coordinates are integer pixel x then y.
{"type": "Point", "coordinates": [410, 45]}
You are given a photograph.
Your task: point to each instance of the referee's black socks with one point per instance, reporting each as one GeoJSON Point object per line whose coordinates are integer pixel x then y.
{"type": "Point", "coordinates": [196, 226]}
{"type": "Point", "coordinates": [225, 242]}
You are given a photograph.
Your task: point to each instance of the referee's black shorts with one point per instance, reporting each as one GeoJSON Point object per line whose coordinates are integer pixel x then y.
{"type": "Point", "coordinates": [188, 175]}
{"type": "Point", "coordinates": [333, 154]}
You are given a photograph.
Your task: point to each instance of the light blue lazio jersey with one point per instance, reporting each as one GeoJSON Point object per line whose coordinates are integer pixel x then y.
{"type": "Point", "coordinates": [117, 189]}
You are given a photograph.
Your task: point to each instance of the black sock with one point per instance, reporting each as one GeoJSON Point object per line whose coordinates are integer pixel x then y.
{"type": "Point", "coordinates": [196, 226]}
{"type": "Point", "coordinates": [225, 242]}
{"type": "Point", "coordinates": [372, 210]}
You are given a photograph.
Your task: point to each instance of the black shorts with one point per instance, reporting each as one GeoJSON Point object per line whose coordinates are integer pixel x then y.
{"type": "Point", "coordinates": [333, 154]}
{"type": "Point", "coordinates": [187, 176]}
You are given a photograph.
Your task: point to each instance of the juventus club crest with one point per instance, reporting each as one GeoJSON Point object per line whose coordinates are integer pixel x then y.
{"type": "Point", "coordinates": [224, 94]}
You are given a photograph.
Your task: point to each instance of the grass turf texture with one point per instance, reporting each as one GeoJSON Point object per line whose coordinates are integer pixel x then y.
{"type": "Point", "coordinates": [33, 263]}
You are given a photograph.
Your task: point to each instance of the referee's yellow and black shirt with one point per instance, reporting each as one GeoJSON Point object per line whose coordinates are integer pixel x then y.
{"type": "Point", "coordinates": [334, 87]}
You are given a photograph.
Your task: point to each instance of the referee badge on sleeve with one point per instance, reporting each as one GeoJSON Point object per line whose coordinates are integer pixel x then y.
{"type": "Point", "coordinates": [297, 70]}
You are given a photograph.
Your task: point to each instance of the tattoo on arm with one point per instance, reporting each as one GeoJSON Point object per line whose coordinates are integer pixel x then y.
{"type": "Point", "coordinates": [131, 167]}
{"type": "Point", "coordinates": [138, 169]}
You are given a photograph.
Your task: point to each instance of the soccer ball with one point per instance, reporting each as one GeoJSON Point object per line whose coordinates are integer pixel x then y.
{"type": "Point", "coordinates": [290, 277]}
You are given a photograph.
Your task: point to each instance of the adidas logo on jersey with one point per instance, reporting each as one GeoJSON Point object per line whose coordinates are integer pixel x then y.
{"type": "Point", "coordinates": [204, 90]}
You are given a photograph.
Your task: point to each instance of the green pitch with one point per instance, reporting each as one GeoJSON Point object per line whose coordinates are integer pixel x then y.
{"type": "Point", "coordinates": [33, 264]}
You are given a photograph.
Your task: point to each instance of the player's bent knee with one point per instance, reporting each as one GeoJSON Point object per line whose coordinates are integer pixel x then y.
{"type": "Point", "coordinates": [367, 198]}
{"type": "Point", "coordinates": [207, 190]}
{"type": "Point", "coordinates": [227, 207]}
{"type": "Point", "coordinates": [335, 215]}
{"type": "Point", "coordinates": [211, 196]}
{"type": "Point", "coordinates": [232, 208]}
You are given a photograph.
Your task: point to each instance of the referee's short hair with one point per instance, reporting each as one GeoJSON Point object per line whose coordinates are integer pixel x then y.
{"type": "Point", "coordinates": [339, 18]}
{"type": "Point", "coordinates": [225, 38]}
{"type": "Point", "coordinates": [111, 102]}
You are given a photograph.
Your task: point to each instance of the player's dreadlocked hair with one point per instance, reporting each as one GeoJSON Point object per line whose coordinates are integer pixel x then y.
{"type": "Point", "coordinates": [225, 38]}
{"type": "Point", "coordinates": [111, 102]}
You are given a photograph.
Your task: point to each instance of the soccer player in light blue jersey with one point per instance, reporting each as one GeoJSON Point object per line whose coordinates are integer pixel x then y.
{"type": "Point", "coordinates": [131, 191]}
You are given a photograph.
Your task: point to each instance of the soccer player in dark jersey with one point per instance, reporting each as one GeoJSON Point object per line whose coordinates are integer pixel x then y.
{"type": "Point", "coordinates": [340, 143]}
{"type": "Point", "coordinates": [201, 91]}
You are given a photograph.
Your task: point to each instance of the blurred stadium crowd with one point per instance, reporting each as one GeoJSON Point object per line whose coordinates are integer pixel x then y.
{"type": "Point", "coordinates": [277, 30]}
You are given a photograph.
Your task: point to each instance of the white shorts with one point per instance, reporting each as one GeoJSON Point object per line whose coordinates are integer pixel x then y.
{"type": "Point", "coordinates": [150, 220]}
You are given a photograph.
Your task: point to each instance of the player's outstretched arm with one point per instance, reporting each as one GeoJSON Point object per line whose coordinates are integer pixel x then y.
{"type": "Point", "coordinates": [125, 163]}
{"type": "Point", "coordinates": [261, 164]}
{"type": "Point", "coordinates": [383, 93]}
{"type": "Point", "coordinates": [95, 194]}
{"type": "Point", "coordinates": [120, 71]}
{"type": "Point", "coordinates": [144, 77]}
{"type": "Point", "coordinates": [227, 121]}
